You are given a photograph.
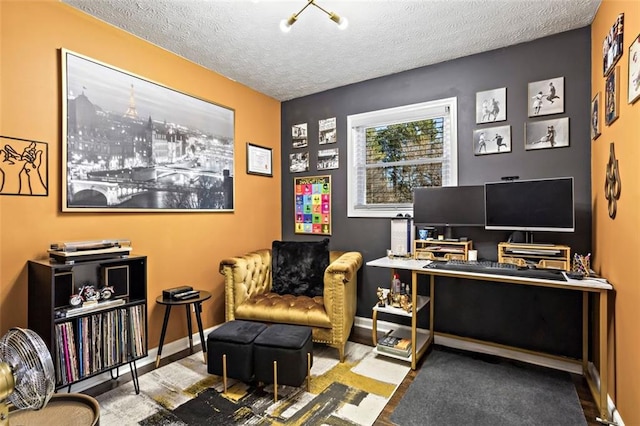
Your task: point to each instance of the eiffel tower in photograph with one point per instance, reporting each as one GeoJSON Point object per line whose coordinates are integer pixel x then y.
{"type": "Point", "coordinates": [131, 111]}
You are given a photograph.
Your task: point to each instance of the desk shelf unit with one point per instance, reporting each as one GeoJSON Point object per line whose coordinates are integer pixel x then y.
{"type": "Point", "coordinates": [441, 250]}
{"type": "Point", "coordinates": [86, 342]}
{"type": "Point", "coordinates": [422, 336]}
{"type": "Point", "coordinates": [542, 256]}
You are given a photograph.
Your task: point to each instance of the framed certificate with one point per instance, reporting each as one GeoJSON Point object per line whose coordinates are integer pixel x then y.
{"type": "Point", "coordinates": [259, 160]}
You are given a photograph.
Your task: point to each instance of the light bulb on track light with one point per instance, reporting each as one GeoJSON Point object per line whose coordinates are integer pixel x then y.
{"type": "Point", "coordinates": [285, 24]}
{"type": "Point", "coordinates": [340, 20]}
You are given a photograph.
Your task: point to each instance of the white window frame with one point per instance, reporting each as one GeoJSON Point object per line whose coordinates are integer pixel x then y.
{"type": "Point", "coordinates": [402, 114]}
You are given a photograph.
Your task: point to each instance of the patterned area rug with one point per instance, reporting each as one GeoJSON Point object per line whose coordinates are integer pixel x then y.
{"type": "Point", "coordinates": [183, 393]}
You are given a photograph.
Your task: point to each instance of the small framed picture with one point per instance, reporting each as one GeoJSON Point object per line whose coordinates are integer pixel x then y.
{"type": "Point", "coordinates": [546, 97]}
{"type": "Point", "coordinates": [612, 97]}
{"type": "Point", "coordinates": [634, 70]}
{"type": "Point", "coordinates": [595, 116]}
{"type": "Point", "coordinates": [299, 162]}
{"type": "Point", "coordinates": [492, 140]}
{"type": "Point", "coordinates": [546, 134]}
{"type": "Point", "coordinates": [327, 131]}
{"type": "Point", "coordinates": [299, 135]}
{"type": "Point", "coordinates": [612, 46]}
{"type": "Point", "coordinates": [328, 159]}
{"type": "Point", "coordinates": [491, 106]}
{"type": "Point", "coordinates": [259, 160]}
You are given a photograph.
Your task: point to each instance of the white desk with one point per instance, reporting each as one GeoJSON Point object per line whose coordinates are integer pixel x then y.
{"type": "Point", "coordinates": [597, 286]}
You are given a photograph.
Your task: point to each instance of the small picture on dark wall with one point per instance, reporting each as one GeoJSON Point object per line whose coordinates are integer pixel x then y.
{"type": "Point", "coordinates": [634, 71]}
{"type": "Point", "coordinates": [546, 97]}
{"type": "Point", "coordinates": [299, 135]}
{"type": "Point", "coordinates": [612, 97]}
{"type": "Point", "coordinates": [547, 134]}
{"type": "Point", "coordinates": [299, 162]}
{"type": "Point", "coordinates": [595, 116]}
{"type": "Point", "coordinates": [327, 131]}
{"type": "Point", "coordinates": [492, 140]}
{"type": "Point", "coordinates": [328, 159]}
{"type": "Point", "coordinates": [612, 46]}
{"type": "Point", "coordinates": [491, 105]}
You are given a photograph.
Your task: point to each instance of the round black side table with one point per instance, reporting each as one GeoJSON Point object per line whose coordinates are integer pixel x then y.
{"type": "Point", "coordinates": [197, 305]}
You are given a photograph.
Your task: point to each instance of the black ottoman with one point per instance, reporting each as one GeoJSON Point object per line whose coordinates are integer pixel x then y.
{"type": "Point", "coordinates": [232, 344]}
{"type": "Point", "coordinates": [283, 355]}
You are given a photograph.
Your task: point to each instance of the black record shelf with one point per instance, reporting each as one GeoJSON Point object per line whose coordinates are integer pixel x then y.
{"type": "Point", "coordinates": [93, 340]}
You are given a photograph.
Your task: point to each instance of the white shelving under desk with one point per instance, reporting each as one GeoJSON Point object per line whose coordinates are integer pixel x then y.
{"type": "Point", "coordinates": [422, 337]}
{"type": "Point", "coordinates": [422, 302]}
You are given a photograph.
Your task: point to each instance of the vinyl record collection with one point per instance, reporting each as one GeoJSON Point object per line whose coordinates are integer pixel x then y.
{"type": "Point", "coordinates": [96, 342]}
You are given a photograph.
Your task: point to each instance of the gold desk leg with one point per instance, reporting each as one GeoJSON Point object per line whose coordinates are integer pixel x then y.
{"type": "Point", "coordinates": [585, 333]}
{"type": "Point", "coordinates": [414, 320]}
{"type": "Point", "coordinates": [374, 327]}
{"type": "Point", "coordinates": [275, 381]}
{"type": "Point", "coordinates": [224, 372]}
{"type": "Point", "coordinates": [157, 361]}
{"type": "Point", "coordinates": [604, 355]}
{"type": "Point", "coordinates": [308, 372]}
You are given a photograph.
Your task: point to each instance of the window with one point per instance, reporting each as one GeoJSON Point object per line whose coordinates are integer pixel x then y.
{"type": "Point", "coordinates": [395, 150]}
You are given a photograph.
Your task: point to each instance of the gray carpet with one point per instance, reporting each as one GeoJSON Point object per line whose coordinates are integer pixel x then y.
{"type": "Point", "coordinates": [458, 389]}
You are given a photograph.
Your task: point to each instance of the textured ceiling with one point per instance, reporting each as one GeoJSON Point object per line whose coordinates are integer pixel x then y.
{"type": "Point", "coordinates": [241, 39]}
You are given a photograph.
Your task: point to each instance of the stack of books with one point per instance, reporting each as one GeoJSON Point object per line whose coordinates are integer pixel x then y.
{"type": "Point", "coordinates": [395, 345]}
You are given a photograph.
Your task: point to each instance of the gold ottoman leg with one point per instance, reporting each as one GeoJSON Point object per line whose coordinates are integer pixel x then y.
{"type": "Point", "coordinates": [275, 381]}
{"type": "Point", "coordinates": [308, 372]}
{"type": "Point", "coordinates": [224, 372]}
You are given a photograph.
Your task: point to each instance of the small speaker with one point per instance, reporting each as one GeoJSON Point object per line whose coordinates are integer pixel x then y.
{"type": "Point", "coordinates": [63, 289]}
{"type": "Point", "coordinates": [118, 278]}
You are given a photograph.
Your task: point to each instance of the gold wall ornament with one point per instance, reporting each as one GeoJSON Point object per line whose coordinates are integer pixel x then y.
{"type": "Point", "coordinates": [612, 183]}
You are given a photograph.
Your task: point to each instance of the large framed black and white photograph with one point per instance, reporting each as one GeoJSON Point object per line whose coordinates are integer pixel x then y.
{"type": "Point", "coordinates": [546, 97]}
{"type": "Point", "coordinates": [491, 106]}
{"type": "Point", "coordinates": [130, 144]}
{"type": "Point", "coordinates": [634, 71]}
{"type": "Point", "coordinates": [546, 134]}
{"type": "Point", "coordinates": [492, 140]}
{"type": "Point", "coordinates": [259, 160]}
{"type": "Point", "coordinates": [612, 45]}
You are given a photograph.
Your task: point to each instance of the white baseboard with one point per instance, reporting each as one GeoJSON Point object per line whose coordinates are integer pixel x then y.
{"type": "Point", "coordinates": [167, 349]}
{"type": "Point", "coordinates": [571, 367]}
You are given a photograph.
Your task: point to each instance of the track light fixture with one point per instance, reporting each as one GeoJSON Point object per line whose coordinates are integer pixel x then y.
{"type": "Point", "coordinates": [285, 24]}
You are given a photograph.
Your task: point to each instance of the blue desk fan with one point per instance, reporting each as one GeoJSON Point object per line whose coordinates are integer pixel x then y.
{"type": "Point", "coordinates": [27, 375]}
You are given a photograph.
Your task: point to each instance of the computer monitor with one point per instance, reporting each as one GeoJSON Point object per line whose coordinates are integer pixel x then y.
{"type": "Point", "coordinates": [449, 206]}
{"type": "Point", "coordinates": [530, 205]}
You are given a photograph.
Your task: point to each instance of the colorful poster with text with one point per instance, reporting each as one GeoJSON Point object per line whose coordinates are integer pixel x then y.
{"type": "Point", "coordinates": [313, 205]}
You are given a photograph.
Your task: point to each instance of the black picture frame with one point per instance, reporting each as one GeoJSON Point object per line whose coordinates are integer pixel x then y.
{"type": "Point", "coordinates": [612, 97]}
{"type": "Point", "coordinates": [259, 160]}
{"type": "Point", "coordinates": [133, 145]}
{"type": "Point", "coordinates": [24, 167]}
{"type": "Point", "coordinates": [634, 71]}
{"type": "Point", "coordinates": [595, 117]}
{"type": "Point", "coordinates": [612, 46]}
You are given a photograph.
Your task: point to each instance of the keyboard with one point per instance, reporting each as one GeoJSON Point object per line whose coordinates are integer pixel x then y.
{"type": "Point", "coordinates": [490, 267]}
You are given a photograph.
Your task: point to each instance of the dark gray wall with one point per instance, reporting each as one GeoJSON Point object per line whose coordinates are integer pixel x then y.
{"type": "Point", "coordinates": [534, 318]}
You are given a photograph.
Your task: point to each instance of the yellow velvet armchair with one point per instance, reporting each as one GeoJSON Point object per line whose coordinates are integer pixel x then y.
{"type": "Point", "coordinates": [248, 296]}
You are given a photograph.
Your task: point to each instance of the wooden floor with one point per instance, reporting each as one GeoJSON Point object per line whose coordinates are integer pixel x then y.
{"type": "Point", "coordinates": [363, 336]}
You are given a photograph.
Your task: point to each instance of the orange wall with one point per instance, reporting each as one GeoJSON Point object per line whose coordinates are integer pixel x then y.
{"type": "Point", "coordinates": [616, 242]}
{"type": "Point", "coordinates": [182, 248]}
